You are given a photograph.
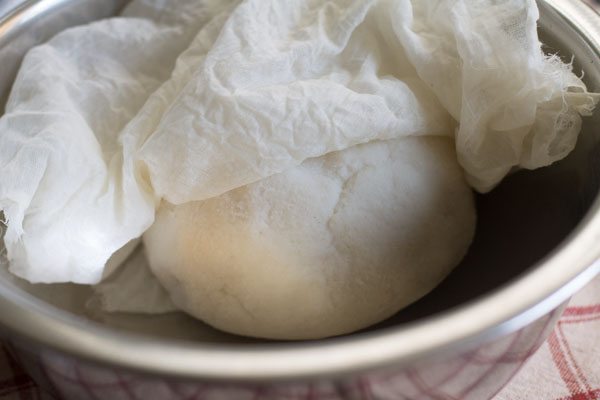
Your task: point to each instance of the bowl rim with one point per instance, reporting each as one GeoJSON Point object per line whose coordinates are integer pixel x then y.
{"type": "Point", "coordinates": [541, 289]}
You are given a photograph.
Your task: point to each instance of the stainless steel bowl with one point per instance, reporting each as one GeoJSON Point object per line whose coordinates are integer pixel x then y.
{"type": "Point", "coordinates": [537, 243]}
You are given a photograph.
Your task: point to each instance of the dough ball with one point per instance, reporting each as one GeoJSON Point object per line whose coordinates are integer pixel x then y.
{"type": "Point", "coordinates": [332, 246]}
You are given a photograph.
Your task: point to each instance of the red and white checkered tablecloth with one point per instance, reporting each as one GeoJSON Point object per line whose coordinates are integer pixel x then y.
{"type": "Point", "coordinates": [566, 367]}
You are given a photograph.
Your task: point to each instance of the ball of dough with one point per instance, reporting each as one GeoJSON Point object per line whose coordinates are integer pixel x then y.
{"type": "Point", "coordinates": [334, 245]}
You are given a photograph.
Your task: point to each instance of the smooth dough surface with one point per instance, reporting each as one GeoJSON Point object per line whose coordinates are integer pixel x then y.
{"type": "Point", "coordinates": [334, 245]}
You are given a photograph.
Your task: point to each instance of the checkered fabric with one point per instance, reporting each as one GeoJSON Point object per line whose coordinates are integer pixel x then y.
{"type": "Point", "coordinates": [14, 382]}
{"type": "Point", "coordinates": [565, 367]}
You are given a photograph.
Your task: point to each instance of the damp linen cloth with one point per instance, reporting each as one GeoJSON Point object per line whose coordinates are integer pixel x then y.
{"type": "Point", "coordinates": [105, 121]}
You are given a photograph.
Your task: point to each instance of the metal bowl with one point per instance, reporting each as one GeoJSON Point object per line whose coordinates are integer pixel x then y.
{"type": "Point", "coordinates": [536, 244]}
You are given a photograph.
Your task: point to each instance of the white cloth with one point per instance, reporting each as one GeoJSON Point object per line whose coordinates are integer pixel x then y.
{"type": "Point", "coordinates": [69, 199]}
{"type": "Point", "coordinates": [516, 106]}
{"type": "Point", "coordinates": [100, 127]}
